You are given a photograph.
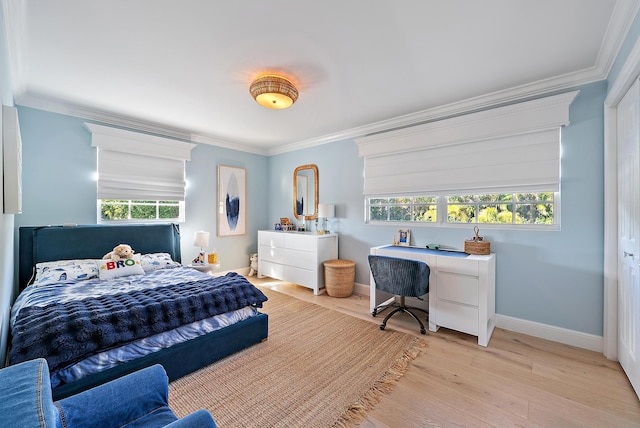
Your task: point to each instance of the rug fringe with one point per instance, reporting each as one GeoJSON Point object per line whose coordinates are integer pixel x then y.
{"type": "Point", "coordinates": [357, 412]}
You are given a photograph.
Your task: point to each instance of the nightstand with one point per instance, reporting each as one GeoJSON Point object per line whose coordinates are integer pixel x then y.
{"type": "Point", "coordinates": [205, 268]}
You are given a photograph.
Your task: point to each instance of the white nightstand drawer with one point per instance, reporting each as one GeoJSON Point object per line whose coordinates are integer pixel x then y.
{"type": "Point", "coordinates": [457, 317]}
{"type": "Point", "coordinates": [272, 270]}
{"type": "Point", "coordinates": [272, 254]}
{"type": "Point", "coordinates": [458, 288]}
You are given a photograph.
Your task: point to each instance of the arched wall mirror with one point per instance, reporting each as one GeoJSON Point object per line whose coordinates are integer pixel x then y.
{"type": "Point", "coordinates": [305, 192]}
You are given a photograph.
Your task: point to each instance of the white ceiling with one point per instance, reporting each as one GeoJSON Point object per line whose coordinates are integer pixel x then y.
{"type": "Point", "coordinates": [183, 68]}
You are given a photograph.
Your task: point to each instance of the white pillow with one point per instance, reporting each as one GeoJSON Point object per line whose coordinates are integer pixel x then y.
{"type": "Point", "coordinates": [153, 261]}
{"type": "Point", "coordinates": [77, 271]}
{"type": "Point", "coordinates": [111, 269]}
{"type": "Point", "coordinates": [77, 264]}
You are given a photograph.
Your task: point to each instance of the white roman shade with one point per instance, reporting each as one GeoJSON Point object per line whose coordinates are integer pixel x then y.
{"type": "Point", "coordinates": [132, 165]}
{"type": "Point", "coordinates": [515, 148]}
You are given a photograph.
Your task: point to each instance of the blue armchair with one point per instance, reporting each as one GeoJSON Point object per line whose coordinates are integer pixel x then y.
{"type": "Point", "coordinates": [139, 399]}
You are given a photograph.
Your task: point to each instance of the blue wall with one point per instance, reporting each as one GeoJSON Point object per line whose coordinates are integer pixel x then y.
{"type": "Point", "coordinates": [551, 277]}
{"type": "Point", "coordinates": [59, 184]}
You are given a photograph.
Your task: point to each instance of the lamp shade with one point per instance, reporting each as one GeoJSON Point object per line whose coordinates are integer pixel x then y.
{"type": "Point", "coordinates": [326, 210]}
{"type": "Point", "coordinates": [201, 239]}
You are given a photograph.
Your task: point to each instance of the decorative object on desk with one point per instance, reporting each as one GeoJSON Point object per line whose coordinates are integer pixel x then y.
{"type": "Point", "coordinates": [403, 237]}
{"type": "Point", "coordinates": [477, 244]}
{"type": "Point", "coordinates": [325, 212]}
{"type": "Point", "coordinates": [277, 226]}
{"type": "Point", "coordinates": [200, 239]}
{"type": "Point", "coordinates": [253, 264]}
{"type": "Point", "coordinates": [231, 200]}
{"type": "Point", "coordinates": [433, 246]}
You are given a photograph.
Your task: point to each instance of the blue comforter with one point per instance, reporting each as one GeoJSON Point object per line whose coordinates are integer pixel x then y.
{"type": "Point", "coordinates": [68, 331]}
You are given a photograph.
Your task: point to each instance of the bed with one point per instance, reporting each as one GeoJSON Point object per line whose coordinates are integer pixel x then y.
{"type": "Point", "coordinates": [184, 319]}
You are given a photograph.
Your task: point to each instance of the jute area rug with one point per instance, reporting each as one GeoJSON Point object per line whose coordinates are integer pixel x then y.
{"type": "Point", "coordinates": [318, 368]}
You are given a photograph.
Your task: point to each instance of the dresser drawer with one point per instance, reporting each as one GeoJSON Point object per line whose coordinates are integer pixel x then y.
{"type": "Point", "coordinates": [272, 270]}
{"type": "Point", "coordinates": [272, 254]}
{"type": "Point", "coordinates": [457, 288]}
{"type": "Point", "coordinates": [295, 241]}
{"type": "Point", "coordinates": [271, 239]}
{"type": "Point", "coordinates": [457, 317]}
{"type": "Point", "coordinates": [305, 277]}
{"type": "Point", "coordinates": [301, 259]}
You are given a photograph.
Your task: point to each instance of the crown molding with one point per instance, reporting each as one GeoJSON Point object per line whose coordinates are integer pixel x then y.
{"type": "Point", "coordinates": [471, 105]}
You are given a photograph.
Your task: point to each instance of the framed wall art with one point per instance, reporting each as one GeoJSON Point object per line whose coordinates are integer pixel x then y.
{"type": "Point", "coordinates": [232, 200]}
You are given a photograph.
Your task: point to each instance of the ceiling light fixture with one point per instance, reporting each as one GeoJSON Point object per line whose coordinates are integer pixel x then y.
{"type": "Point", "coordinates": [273, 91]}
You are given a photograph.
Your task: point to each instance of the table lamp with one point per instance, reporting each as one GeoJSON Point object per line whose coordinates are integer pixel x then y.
{"type": "Point", "coordinates": [326, 211]}
{"type": "Point", "coordinates": [201, 239]}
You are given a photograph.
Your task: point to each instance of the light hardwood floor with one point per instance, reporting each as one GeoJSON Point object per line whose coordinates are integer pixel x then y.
{"type": "Point", "coordinates": [518, 380]}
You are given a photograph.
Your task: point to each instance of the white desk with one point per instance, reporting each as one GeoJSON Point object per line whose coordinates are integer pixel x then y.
{"type": "Point", "coordinates": [461, 289]}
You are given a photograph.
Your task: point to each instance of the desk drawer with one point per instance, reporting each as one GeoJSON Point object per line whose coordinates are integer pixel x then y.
{"type": "Point", "coordinates": [457, 317]}
{"type": "Point", "coordinates": [457, 288]}
{"type": "Point", "coordinates": [458, 265]}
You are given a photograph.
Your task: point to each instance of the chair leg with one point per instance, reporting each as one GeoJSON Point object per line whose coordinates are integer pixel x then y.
{"type": "Point", "coordinates": [403, 308]}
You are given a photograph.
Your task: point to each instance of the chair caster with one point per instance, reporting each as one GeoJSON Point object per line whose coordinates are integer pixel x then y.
{"type": "Point", "coordinates": [374, 313]}
{"type": "Point", "coordinates": [382, 326]}
{"type": "Point", "coordinates": [423, 331]}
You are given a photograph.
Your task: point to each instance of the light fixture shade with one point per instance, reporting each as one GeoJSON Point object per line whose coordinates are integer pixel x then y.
{"type": "Point", "coordinates": [273, 91]}
{"type": "Point", "coordinates": [201, 239]}
{"type": "Point", "coordinates": [326, 210]}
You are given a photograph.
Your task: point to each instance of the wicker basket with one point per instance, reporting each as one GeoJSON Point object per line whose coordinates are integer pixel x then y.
{"type": "Point", "coordinates": [477, 245]}
{"type": "Point", "coordinates": [338, 277]}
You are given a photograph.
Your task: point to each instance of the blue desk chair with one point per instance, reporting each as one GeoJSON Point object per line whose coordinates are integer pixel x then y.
{"type": "Point", "coordinates": [402, 277]}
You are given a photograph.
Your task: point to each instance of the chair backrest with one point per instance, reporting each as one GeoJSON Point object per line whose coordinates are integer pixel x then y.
{"type": "Point", "coordinates": [398, 276]}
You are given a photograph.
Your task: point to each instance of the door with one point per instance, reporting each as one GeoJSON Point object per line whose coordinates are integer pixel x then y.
{"type": "Point", "coordinates": [628, 131]}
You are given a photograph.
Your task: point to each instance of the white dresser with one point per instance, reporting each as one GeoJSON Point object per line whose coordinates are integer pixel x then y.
{"type": "Point", "coordinates": [461, 289]}
{"type": "Point", "coordinates": [296, 256]}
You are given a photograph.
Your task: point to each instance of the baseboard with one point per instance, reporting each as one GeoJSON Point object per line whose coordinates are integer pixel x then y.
{"type": "Point", "coordinates": [531, 328]}
{"type": "Point", "coordinates": [549, 332]}
{"type": "Point", "coordinates": [361, 289]}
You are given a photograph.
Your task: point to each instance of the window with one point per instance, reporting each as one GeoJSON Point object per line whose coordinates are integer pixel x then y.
{"type": "Point", "coordinates": [497, 166]}
{"type": "Point", "coordinates": [422, 209]}
{"type": "Point", "coordinates": [141, 177]}
{"type": "Point", "coordinates": [522, 209]}
{"type": "Point", "coordinates": [135, 210]}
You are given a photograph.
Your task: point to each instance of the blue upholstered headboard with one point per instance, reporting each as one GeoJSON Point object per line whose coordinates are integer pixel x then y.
{"type": "Point", "coordinates": [47, 243]}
